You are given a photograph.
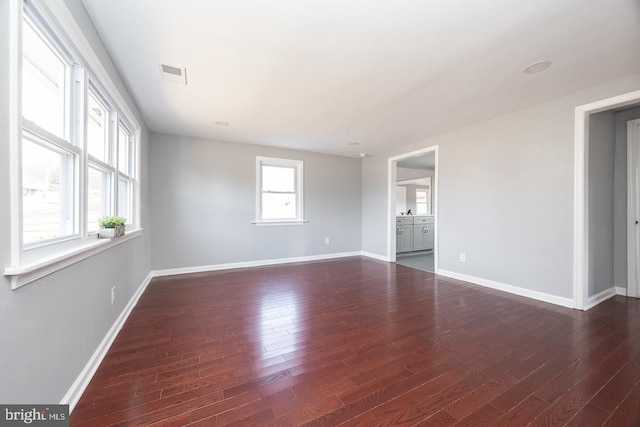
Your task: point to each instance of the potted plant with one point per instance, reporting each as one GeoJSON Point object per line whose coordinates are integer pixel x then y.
{"type": "Point", "coordinates": [111, 227]}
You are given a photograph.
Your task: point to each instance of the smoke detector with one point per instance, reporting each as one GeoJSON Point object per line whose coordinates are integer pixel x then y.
{"type": "Point", "coordinates": [169, 73]}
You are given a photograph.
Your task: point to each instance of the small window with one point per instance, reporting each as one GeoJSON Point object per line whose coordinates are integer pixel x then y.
{"type": "Point", "coordinates": [279, 190]}
{"type": "Point", "coordinates": [423, 201]}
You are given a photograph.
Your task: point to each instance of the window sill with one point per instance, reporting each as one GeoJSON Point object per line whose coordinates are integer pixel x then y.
{"type": "Point", "coordinates": [261, 223]}
{"type": "Point", "coordinates": [36, 269]}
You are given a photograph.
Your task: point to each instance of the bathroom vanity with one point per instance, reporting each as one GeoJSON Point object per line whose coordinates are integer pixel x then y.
{"type": "Point", "coordinates": [414, 233]}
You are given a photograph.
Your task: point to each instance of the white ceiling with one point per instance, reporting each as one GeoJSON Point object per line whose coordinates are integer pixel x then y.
{"type": "Point", "coordinates": [320, 74]}
{"type": "Point", "coordinates": [425, 161]}
{"type": "Point", "coordinates": [415, 169]}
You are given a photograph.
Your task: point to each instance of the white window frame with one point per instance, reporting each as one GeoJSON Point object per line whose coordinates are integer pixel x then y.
{"type": "Point", "coordinates": [298, 165]}
{"type": "Point", "coordinates": [129, 176]}
{"type": "Point", "coordinates": [33, 261]}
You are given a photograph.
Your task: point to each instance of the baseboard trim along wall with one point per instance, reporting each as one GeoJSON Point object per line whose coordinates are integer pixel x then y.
{"type": "Point", "coordinates": [375, 256]}
{"type": "Point", "coordinates": [601, 297]}
{"type": "Point", "coordinates": [540, 296]}
{"type": "Point", "coordinates": [260, 263]}
{"type": "Point", "coordinates": [80, 384]}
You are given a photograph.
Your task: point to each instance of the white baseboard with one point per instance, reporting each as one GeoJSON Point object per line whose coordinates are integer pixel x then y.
{"type": "Point", "coordinates": [621, 290]}
{"type": "Point", "coordinates": [260, 263]}
{"type": "Point", "coordinates": [540, 296]}
{"type": "Point", "coordinates": [80, 384]}
{"type": "Point", "coordinates": [375, 256]}
{"type": "Point", "coordinates": [602, 296]}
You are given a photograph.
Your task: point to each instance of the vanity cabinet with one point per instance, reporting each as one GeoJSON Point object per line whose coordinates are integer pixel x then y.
{"type": "Point", "coordinates": [414, 233]}
{"type": "Point", "coordinates": [404, 234]}
{"type": "Point", "coordinates": [423, 237]}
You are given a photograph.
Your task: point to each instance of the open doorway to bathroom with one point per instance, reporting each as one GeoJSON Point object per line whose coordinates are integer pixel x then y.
{"type": "Point", "coordinates": [413, 181]}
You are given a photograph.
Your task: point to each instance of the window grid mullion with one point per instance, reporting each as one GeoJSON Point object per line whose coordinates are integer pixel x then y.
{"type": "Point", "coordinates": [44, 137]}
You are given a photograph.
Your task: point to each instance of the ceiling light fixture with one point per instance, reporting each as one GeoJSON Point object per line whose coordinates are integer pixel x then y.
{"type": "Point", "coordinates": [536, 67]}
{"type": "Point", "coordinates": [222, 123]}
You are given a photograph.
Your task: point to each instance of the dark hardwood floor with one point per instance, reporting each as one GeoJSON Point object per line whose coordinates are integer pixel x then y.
{"type": "Point", "coordinates": [361, 342]}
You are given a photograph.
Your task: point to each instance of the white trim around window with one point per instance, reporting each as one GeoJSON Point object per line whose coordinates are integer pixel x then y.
{"type": "Point", "coordinates": [84, 74]}
{"type": "Point", "coordinates": [279, 191]}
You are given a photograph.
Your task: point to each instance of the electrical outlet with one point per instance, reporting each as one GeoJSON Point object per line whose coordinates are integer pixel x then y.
{"type": "Point", "coordinates": [463, 257]}
{"type": "Point", "coordinates": [326, 240]}
{"type": "Point", "coordinates": [113, 295]}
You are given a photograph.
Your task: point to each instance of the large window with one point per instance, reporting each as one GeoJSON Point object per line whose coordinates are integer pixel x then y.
{"type": "Point", "coordinates": [77, 145]}
{"type": "Point", "coordinates": [279, 190]}
{"type": "Point", "coordinates": [49, 157]}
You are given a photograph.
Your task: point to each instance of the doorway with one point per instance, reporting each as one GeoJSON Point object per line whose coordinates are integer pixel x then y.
{"type": "Point", "coordinates": [413, 209]}
{"type": "Point", "coordinates": [582, 268]}
{"type": "Point", "coordinates": [633, 208]}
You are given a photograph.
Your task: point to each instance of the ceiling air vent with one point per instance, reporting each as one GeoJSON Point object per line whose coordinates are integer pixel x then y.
{"type": "Point", "coordinates": [173, 74]}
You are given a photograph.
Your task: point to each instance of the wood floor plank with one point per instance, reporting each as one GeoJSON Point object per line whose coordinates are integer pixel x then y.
{"type": "Point", "coordinates": [628, 413]}
{"type": "Point", "coordinates": [613, 393]}
{"type": "Point", "coordinates": [356, 341]}
{"type": "Point", "coordinates": [523, 413]}
{"type": "Point", "coordinates": [483, 416]}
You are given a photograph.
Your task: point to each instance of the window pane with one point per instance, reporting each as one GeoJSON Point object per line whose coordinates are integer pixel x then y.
{"type": "Point", "coordinates": [123, 151]}
{"type": "Point", "coordinates": [97, 126]}
{"type": "Point", "coordinates": [98, 196]}
{"type": "Point", "coordinates": [422, 205]}
{"type": "Point", "coordinates": [277, 178]}
{"type": "Point", "coordinates": [47, 193]}
{"type": "Point", "coordinates": [43, 83]}
{"type": "Point", "coordinates": [278, 206]}
{"type": "Point", "coordinates": [124, 199]}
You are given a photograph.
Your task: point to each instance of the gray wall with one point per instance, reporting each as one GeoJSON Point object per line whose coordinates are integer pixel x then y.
{"type": "Point", "coordinates": [602, 135]}
{"type": "Point", "coordinates": [620, 196]}
{"type": "Point", "coordinates": [50, 328]}
{"type": "Point", "coordinates": [505, 194]}
{"type": "Point", "coordinates": [203, 201]}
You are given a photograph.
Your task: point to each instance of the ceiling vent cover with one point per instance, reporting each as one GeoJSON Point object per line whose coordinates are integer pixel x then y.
{"type": "Point", "coordinates": [172, 74]}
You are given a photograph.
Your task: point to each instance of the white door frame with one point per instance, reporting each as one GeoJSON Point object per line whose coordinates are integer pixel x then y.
{"type": "Point", "coordinates": [633, 214]}
{"type": "Point", "coordinates": [581, 191]}
{"type": "Point", "coordinates": [391, 202]}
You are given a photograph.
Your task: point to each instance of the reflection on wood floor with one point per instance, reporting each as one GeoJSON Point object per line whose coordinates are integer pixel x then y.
{"type": "Point", "coordinates": [421, 260]}
{"type": "Point", "coordinates": [357, 341]}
